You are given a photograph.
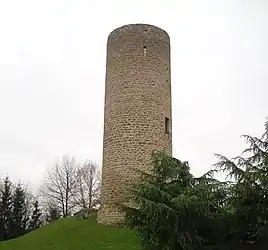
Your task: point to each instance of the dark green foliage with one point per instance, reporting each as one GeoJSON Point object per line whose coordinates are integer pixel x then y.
{"type": "Point", "coordinates": [249, 191]}
{"type": "Point", "coordinates": [14, 210]}
{"type": "Point", "coordinates": [53, 214]}
{"type": "Point", "coordinates": [5, 210]}
{"type": "Point", "coordinates": [19, 219]}
{"type": "Point", "coordinates": [35, 221]}
{"type": "Point", "coordinates": [174, 209]}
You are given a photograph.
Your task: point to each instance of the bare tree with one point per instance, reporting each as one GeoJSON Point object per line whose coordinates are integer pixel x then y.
{"type": "Point", "coordinates": [88, 185]}
{"type": "Point", "coordinates": [59, 185]}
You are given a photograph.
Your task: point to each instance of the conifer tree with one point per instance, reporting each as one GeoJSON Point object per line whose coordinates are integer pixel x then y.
{"type": "Point", "coordinates": [19, 218]}
{"type": "Point", "coordinates": [249, 192]}
{"type": "Point", "coordinates": [5, 209]}
{"type": "Point", "coordinates": [172, 210]}
{"type": "Point", "coordinates": [35, 221]}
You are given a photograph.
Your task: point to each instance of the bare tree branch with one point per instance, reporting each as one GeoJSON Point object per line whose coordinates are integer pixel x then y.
{"type": "Point", "coordinates": [88, 185]}
{"type": "Point", "coordinates": [59, 185]}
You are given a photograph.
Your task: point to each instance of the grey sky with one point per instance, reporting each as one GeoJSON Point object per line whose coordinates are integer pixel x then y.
{"type": "Point", "coordinates": [52, 72]}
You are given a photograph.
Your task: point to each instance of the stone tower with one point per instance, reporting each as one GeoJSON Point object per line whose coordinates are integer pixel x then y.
{"type": "Point", "coordinates": [137, 115]}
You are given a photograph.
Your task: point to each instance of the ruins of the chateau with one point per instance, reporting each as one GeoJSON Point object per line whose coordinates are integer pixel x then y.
{"type": "Point", "coordinates": [137, 114]}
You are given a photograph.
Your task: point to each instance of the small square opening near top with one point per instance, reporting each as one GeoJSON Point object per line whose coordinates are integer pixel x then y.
{"type": "Point", "coordinates": [166, 125]}
{"type": "Point", "coordinates": [144, 49]}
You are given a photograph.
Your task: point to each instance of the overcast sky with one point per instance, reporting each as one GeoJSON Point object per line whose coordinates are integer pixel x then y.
{"type": "Point", "coordinates": [52, 73]}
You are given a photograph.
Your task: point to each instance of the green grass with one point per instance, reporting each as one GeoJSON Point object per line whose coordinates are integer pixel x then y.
{"type": "Point", "coordinates": [71, 234]}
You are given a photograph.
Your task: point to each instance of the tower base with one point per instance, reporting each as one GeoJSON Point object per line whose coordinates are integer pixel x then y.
{"type": "Point", "coordinates": [110, 215]}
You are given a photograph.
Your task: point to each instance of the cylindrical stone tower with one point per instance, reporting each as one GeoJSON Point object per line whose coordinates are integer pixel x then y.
{"type": "Point", "coordinates": [137, 115]}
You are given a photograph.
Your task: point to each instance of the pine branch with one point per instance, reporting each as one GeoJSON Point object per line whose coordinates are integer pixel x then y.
{"type": "Point", "coordinates": [229, 166]}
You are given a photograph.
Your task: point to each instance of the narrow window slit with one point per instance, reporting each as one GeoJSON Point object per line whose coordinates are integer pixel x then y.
{"type": "Point", "coordinates": [166, 125]}
{"type": "Point", "coordinates": [144, 49]}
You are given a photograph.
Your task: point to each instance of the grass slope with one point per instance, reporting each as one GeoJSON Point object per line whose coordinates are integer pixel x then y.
{"type": "Point", "coordinates": [71, 234]}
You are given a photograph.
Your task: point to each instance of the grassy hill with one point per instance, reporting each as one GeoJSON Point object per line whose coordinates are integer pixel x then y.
{"type": "Point", "coordinates": [71, 234]}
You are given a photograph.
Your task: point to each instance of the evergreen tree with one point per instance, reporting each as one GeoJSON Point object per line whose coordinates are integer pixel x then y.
{"type": "Point", "coordinates": [35, 221]}
{"type": "Point", "coordinates": [249, 192]}
{"type": "Point", "coordinates": [53, 214]}
{"type": "Point", "coordinates": [5, 210]}
{"type": "Point", "coordinates": [19, 218]}
{"type": "Point", "coordinates": [172, 210]}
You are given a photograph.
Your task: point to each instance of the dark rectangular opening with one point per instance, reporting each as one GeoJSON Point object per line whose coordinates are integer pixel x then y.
{"type": "Point", "coordinates": [166, 125]}
{"type": "Point", "coordinates": [144, 49]}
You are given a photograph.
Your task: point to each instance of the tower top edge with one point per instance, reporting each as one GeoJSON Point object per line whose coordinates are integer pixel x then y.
{"type": "Point", "coordinates": [139, 28]}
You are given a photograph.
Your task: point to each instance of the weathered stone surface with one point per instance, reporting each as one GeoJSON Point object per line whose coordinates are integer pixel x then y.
{"type": "Point", "coordinates": [137, 101]}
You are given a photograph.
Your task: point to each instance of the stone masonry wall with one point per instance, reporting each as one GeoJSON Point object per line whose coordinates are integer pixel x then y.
{"type": "Point", "coordinates": [137, 101]}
